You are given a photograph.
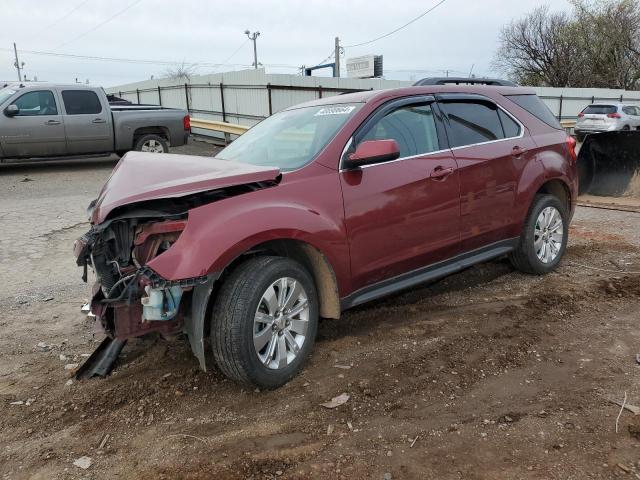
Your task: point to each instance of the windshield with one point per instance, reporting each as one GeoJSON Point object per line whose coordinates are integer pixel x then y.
{"type": "Point", "coordinates": [5, 93]}
{"type": "Point", "coordinates": [289, 139]}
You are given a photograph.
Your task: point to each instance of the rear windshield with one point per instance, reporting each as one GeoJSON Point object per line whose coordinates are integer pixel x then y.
{"type": "Point", "coordinates": [537, 108]}
{"type": "Point", "coordinates": [600, 109]}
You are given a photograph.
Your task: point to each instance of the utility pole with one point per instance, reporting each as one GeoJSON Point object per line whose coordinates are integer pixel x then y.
{"type": "Point", "coordinates": [253, 37]}
{"type": "Point", "coordinates": [336, 71]}
{"type": "Point", "coordinates": [17, 63]}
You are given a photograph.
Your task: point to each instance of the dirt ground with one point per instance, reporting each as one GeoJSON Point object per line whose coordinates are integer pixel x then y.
{"type": "Point", "coordinates": [488, 374]}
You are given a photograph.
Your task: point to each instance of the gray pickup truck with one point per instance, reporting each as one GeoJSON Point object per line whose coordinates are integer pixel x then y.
{"type": "Point", "coordinates": [41, 120]}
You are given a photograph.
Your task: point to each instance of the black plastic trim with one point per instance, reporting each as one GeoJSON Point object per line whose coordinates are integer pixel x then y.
{"type": "Point", "coordinates": [428, 273]}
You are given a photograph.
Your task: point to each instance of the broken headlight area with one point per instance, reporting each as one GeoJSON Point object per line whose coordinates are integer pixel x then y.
{"type": "Point", "coordinates": [129, 299]}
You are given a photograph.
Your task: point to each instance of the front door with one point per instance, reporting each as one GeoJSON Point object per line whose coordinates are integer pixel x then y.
{"type": "Point", "coordinates": [88, 122]}
{"type": "Point", "coordinates": [37, 130]}
{"type": "Point", "coordinates": [403, 214]}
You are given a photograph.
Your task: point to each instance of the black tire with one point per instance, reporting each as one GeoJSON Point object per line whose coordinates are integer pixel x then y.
{"type": "Point", "coordinates": [151, 138]}
{"type": "Point", "coordinates": [626, 128]}
{"type": "Point", "coordinates": [524, 257]}
{"type": "Point", "coordinates": [232, 321]}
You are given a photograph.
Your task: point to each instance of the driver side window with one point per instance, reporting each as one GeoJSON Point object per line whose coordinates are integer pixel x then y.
{"type": "Point", "coordinates": [413, 127]}
{"type": "Point", "coordinates": [37, 103]}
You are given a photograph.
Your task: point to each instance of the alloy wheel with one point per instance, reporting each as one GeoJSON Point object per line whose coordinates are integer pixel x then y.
{"type": "Point", "coordinates": [152, 146]}
{"type": "Point", "coordinates": [281, 322]}
{"type": "Point", "coordinates": [548, 235]}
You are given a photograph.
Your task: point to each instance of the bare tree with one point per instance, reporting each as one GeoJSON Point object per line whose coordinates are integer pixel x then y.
{"type": "Point", "coordinates": [609, 36]}
{"type": "Point", "coordinates": [597, 45]}
{"type": "Point", "coordinates": [182, 72]}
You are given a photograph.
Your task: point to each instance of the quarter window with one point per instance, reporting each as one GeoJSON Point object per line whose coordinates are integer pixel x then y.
{"type": "Point", "coordinates": [509, 125]}
{"type": "Point", "coordinates": [473, 122]}
{"type": "Point", "coordinates": [81, 102]}
{"type": "Point", "coordinates": [37, 103]}
{"type": "Point", "coordinates": [413, 127]}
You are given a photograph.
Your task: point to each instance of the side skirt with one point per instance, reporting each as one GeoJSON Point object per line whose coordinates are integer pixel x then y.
{"type": "Point", "coordinates": [429, 273]}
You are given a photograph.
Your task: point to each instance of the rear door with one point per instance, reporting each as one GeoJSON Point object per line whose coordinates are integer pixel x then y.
{"type": "Point", "coordinates": [403, 214]}
{"type": "Point", "coordinates": [491, 148]}
{"type": "Point", "coordinates": [37, 130]}
{"type": "Point", "coordinates": [87, 121]}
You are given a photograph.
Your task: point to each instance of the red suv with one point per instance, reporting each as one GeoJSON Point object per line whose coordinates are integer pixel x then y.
{"type": "Point", "coordinates": [319, 208]}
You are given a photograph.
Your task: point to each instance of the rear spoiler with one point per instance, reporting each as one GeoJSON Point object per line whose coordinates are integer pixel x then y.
{"type": "Point", "coordinates": [494, 82]}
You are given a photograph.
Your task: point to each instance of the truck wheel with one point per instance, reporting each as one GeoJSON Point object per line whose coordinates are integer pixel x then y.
{"type": "Point", "coordinates": [264, 321]}
{"type": "Point", "coordinates": [151, 143]}
{"type": "Point", "coordinates": [544, 236]}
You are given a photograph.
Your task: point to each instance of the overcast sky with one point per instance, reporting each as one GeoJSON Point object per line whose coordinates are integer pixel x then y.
{"type": "Point", "coordinates": [455, 36]}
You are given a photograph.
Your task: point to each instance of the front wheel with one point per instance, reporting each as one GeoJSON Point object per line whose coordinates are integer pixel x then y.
{"type": "Point", "coordinates": [151, 143]}
{"type": "Point", "coordinates": [544, 236]}
{"type": "Point", "coordinates": [264, 321]}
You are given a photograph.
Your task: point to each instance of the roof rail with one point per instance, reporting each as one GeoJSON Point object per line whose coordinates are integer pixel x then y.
{"type": "Point", "coordinates": [495, 82]}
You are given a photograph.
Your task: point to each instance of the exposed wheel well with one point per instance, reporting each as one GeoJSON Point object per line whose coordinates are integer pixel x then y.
{"type": "Point", "coordinates": [160, 131]}
{"type": "Point", "coordinates": [558, 189]}
{"type": "Point", "coordinates": [312, 259]}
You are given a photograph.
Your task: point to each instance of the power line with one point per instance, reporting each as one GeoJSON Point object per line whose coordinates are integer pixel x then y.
{"type": "Point", "coordinates": [120, 12]}
{"type": "Point", "coordinates": [72, 56]}
{"type": "Point", "coordinates": [66, 15]}
{"type": "Point", "coordinates": [397, 29]}
{"type": "Point", "coordinates": [236, 51]}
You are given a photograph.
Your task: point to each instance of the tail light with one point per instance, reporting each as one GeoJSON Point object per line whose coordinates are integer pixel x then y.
{"type": "Point", "coordinates": [614, 115]}
{"type": "Point", "coordinates": [571, 145]}
{"type": "Point", "coordinates": [186, 121]}
{"type": "Point", "coordinates": [580, 115]}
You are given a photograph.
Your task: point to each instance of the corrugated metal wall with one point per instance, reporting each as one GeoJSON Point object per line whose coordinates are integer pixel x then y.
{"type": "Point", "coordinates": [246, 94]}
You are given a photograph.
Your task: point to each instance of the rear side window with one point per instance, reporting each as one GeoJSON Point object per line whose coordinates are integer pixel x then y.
{"type": "Point", "coordinates": [510, 126]}
{"type": "Point", "coordinates": [630, 110]}
{"type": "Point", "coordinates": [412, 127]}
{"type": "Point", "coordinates": [81, 102]}
{"type": "Point", "coordinates": [37, 103]}
{"type": "Point", "coordinates": [537, 108]}
{"type": "Point", "coordinates": [600, 109]}
{"type": "Point", "coordinates": [473, 123]}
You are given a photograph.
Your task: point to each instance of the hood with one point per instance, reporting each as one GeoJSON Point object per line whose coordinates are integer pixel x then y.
{"type": "Point", "coordinates": [141, 176]}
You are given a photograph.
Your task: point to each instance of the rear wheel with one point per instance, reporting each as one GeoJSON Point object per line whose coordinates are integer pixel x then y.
{"type": "Point", "coordinates": [544, 236]}
{"type": "Point", "coordinates": [151, 143]}
{"type": "Point", "coordinates": [264, 321]}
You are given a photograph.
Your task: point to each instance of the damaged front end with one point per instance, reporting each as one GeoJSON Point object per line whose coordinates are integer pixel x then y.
{"type": "Point", "coordinates": [140, 214]}
{"type": "Point", "coordinates": [128, 298]}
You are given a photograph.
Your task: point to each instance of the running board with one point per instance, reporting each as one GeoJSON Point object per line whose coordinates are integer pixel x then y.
{"type": "Point", "coordinates": [429, 273]}
{"type": "Point", "coordinates": [102, 360]}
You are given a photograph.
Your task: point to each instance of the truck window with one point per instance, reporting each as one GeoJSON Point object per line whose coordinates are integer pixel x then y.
{"type": "Point", "coordinates": [473, 123]}
{"type": "Point", "coordinates": [40, 102]}
{"type": "Point", "coordinates": [81, 102]}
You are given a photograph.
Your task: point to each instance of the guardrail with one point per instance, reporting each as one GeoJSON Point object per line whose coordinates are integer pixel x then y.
{"type": "Point", "coordinates": [223, 127]}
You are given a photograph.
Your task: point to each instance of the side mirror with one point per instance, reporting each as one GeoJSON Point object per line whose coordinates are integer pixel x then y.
{"type": "Point", "coordinates": [12, 110]}
{"type": "Point", "coordinates": [374, 151]}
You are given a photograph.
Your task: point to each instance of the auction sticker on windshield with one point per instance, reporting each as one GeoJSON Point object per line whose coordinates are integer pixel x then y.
{"type": "Point", "coordinates": [335, 110]}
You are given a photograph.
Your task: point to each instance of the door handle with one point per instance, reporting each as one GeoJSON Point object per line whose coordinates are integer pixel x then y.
{"type": "Point", "coordinates": [52, 122]}
{"type": "Point", "coordinates": [440, 173]}
{"type": "Point", "coordinates": [518, 151]}
{"type": "Point", "coordinates": [99, 120]}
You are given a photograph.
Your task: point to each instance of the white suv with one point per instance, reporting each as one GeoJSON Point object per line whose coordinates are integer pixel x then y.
{"type": "Point", "coordinates": [606, 118]}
